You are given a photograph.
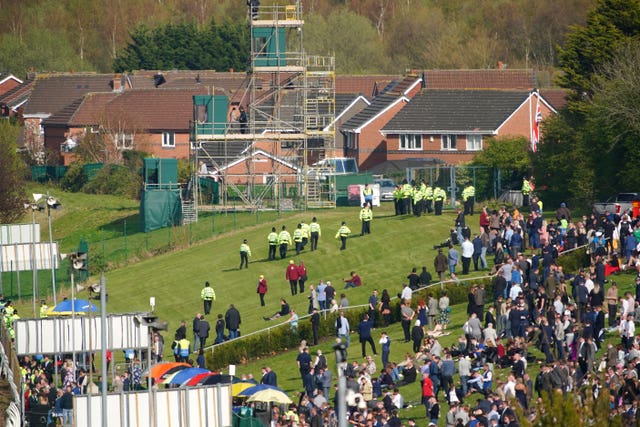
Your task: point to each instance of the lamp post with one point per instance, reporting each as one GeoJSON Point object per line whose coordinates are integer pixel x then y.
{"type": "Point", "coordinates": [51, 201]}
{"type": "Point", "coordinates": [34, 266]}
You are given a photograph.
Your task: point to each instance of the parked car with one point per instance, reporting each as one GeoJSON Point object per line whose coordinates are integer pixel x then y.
{"type": "Point", "coordinates": [622, 202]}
{"type": "Point", "coordinates": [386, 189]}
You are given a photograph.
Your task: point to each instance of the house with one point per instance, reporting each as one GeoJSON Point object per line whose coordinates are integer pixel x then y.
{"type": "Point", "coordinates": [8, 82]}
{"type": "Point", "coordinates": [361, 133]}
{"type": "Point", "coordinates": [157, 122]}
{"type": "Point", "coordinates": [13, 100]}
{"type": "Point", "coordinates": [451, 126]}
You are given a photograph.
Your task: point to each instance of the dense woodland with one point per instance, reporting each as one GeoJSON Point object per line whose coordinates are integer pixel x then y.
{"type": "Point", "coordinates": [366, 36]}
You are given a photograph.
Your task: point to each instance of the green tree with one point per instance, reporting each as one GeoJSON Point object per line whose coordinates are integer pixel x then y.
{"type": "Point", "coordinates": [12, 171]}
{"type": "Point", "coordinates": [610, 25]}
{"type": "Point", "coordinates": [508, 153]}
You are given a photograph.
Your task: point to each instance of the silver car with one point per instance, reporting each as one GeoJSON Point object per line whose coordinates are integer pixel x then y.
{"type": "Point", "coordinates": [386, 189]}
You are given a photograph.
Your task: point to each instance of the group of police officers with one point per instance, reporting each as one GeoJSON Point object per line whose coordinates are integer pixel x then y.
{"type": "Point", "coordinates": [302, 235]}
{"type": "Point", "coordinates": [423, 198]}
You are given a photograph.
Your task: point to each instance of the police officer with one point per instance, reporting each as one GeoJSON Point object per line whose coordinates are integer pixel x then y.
{"type": "Point", "coordinates": [417, 200]}
{"type": "Point", "coordinates": [43, 309]}
{"type": "Point", "coordinates": [407, 191]}
{"type": "Point", "coordinates": [367, 195]}
{"type": "Point", "coordinates": [272, 238]}
{"type": "Point", "coordinates": [526, 190]}
{"type": "Point", "coordinates": [469, 198]}
{"type": "Point", "coordinates": [439, 196]}
{"type": "Point", "coordinates": [397, 199]}
{"type": "Point", "coordinates": [297, 238]}
{"type": "Point", "coordinates": [315, 232]}
{"type": "Point", "coordinates": [306, 232]}
{"type": "Point", "coordinates": [428, 198]}
{"type": "Point", "coordinates": [284, 240]}
{"type": "Point", "coordinates": [342, 234]}
{"type": "Point", "coordinates": [245, 253]}
{"type": "Point", "coordinates": [366, 215]}
{"type": "Point", "coordinates": [208, 295]}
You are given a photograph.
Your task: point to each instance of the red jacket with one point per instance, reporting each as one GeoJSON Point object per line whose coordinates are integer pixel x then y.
{"type": "Point", "coordinates": [262, 286]}
{"type": "Point", "coordinates": [427, 387]}
{"type": "Point", "coordinates": [302, 271]}
{"type": "Point", "coordinates": [292, 272]}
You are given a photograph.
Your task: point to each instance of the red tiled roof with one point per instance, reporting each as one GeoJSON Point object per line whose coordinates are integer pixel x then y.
{"type": "Point", "coordinates": [18, 94]}
{"type": "Point", "coordinates": [363, 84]}
{"type": "Point", "coordinates": [480, 79]}
{"type": "Point", "coordinates": [91, 110]}
{"type": "Point", "coordinates": [556, 97]}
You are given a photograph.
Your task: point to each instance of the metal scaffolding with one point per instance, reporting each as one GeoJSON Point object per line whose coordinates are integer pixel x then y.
{"type": "Point", "coordinates": [268, 161]}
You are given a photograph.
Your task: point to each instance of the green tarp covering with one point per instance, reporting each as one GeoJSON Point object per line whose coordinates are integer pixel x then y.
{"type": "Point", "coordinates": [160, 208]}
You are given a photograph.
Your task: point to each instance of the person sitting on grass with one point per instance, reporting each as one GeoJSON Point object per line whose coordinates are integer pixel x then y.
{"type": "Point", "coordinates": [284, 310]}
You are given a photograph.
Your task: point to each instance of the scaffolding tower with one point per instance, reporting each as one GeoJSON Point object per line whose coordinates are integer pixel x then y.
{"type": "Point", "coordinates": [271, 161]}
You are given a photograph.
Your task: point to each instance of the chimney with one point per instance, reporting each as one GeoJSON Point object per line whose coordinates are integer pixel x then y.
{"type": "Point", "coordinates": [116, 83]}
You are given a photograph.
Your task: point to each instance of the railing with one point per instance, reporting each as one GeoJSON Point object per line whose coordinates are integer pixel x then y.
{"type": "Point", "coordinates": [9, 367]}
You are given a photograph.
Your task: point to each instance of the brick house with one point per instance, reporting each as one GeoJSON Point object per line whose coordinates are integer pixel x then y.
{"type": "Point", "coordinates": [361, 133]}
{"type": "Point", "coordinates": [451, 126]}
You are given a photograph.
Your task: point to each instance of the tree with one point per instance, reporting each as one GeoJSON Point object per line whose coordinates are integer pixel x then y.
{"type": "Point", "coordinates": [12, 171]}
{"type": "Point", "coordinates": [506, 153]}
{"type": "Point", "coordinates": [610, 25]}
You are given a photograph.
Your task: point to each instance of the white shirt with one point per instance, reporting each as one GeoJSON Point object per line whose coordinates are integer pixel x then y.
{"type": "Point", "coordinates": [467, 249]}
{"type": "Point", "coordinates": [589, 285]}
{"type": "Point", "coordinates": [515, 291]}
{"type": "Point", "coordinates": [509, 389]}
{"type": "Point", "coordinates": [406, 294]}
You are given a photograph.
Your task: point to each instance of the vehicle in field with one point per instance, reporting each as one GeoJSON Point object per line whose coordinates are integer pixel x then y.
{"type": "Point", "coordinates": [617, 205]}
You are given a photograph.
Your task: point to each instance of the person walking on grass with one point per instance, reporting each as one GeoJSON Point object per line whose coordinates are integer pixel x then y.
{"type": "Point", "coordinates": [342, 234]}
{"type": "Point", "coordinates": [245, 253]}
{"type": "Point", "coordinates": [262, 289]}
{"type": "Point", "coordinates": [208, 295]}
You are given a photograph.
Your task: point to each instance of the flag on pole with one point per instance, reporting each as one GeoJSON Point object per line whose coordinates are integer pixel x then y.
{"type": "Point", "coordinates": [535, 134]}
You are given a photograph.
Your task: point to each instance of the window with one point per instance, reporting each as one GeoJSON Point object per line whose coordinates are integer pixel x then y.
{"type": "Point", "coordinates": [123, 141]}
{"type": "Point", "coordinates": [352, 140]}
{"type": "Point", "coordinates": [410, 142]}
{"type": "Point", "coordinates": [474, 142]}
{"type": "Point", "coordinates": [168, 139]}
{"type": "Point", "coordinates": [449, 142]}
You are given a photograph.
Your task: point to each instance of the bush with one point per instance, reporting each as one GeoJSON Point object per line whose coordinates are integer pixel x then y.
{"type": "Point", "coordinates": [115, 180]}
{"type": "Point", "coordinates": [75, 178]}
{"type": "Point", "coordinates": [574, 260]}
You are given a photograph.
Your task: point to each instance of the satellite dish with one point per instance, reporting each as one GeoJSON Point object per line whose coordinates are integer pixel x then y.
{"type": "Point", "coordinates": [78, 264]}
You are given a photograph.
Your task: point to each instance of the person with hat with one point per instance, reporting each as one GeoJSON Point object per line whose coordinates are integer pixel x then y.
{"type": "Point", "coordinates": [245, 253]}
{"type": "Point", "coordinates": [262, 289]}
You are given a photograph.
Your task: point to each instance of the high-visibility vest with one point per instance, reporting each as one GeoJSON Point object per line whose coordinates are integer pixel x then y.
{"type": "Point", "coordinates": [306, 230]}
{"type": "Point", "coordinates": [272, 238]}
{"type": "Point", "coordinates": [526, 187]}
{"type": "Point", "coordinates": [366, 214]}
{"type": "Point", "coordinates": [208, 294]}
{"type": "Point", "coordinates": [284, 237]}
{"type": "Point", "coordinates": [297, 235]}
{"type": "Point", "coordinates": [343, 232]}
{"type": "Point", "coordinates": [245, 248]}
{"type": "Point", "coordinates": [314, 227]}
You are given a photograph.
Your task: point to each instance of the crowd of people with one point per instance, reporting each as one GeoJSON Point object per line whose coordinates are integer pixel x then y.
{"type": "Point", "coordinates": [536, 314]}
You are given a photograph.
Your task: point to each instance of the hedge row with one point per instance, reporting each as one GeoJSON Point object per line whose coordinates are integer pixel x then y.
{"type": "Point", "coordinates": [280, 338]}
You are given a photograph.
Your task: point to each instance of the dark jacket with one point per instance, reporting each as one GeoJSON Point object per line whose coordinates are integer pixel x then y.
{"type": "Point", "coordinates": [203, 328]}
{"type": "Point", "coordinates": [232, 319]}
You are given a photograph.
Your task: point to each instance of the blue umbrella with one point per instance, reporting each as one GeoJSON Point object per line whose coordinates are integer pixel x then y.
{"type": "Point", "coordinates": [185, 375]}
{"type": "Point", "coordinates": [256, 388]}
{"type": "Point", "coordinates": [66, 307]}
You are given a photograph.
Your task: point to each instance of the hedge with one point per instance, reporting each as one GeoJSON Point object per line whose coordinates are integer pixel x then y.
{"type": "Point", "coordinates": [280, 338]}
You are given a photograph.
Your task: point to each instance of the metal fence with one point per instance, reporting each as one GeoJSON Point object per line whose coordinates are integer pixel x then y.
{"type": "Point", "coordinates": [122, 242]}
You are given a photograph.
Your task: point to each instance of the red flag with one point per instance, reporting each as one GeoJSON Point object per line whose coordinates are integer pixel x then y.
{"type": "Point", "coordinates": [535, 135]}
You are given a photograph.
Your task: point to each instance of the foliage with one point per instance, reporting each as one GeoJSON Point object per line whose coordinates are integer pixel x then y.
{"type": "Point", "coordinates": [115, 180]}
{"type": "Point", "coordinates": [507, 153]}
{"type": "Point", "coordinates": [12, 174]}
{"type": "Point", "coordinates": [588, 48]}
{"type": "Point", "coordinates": [75, 178]}
{"type": "Point", "coordinates": [186, 46]}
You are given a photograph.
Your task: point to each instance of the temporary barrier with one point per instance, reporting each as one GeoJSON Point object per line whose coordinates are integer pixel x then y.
{"type": "Point", "coordinates": [208, 406]}
{"type": "Point", "coordinates": [56, 335]}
